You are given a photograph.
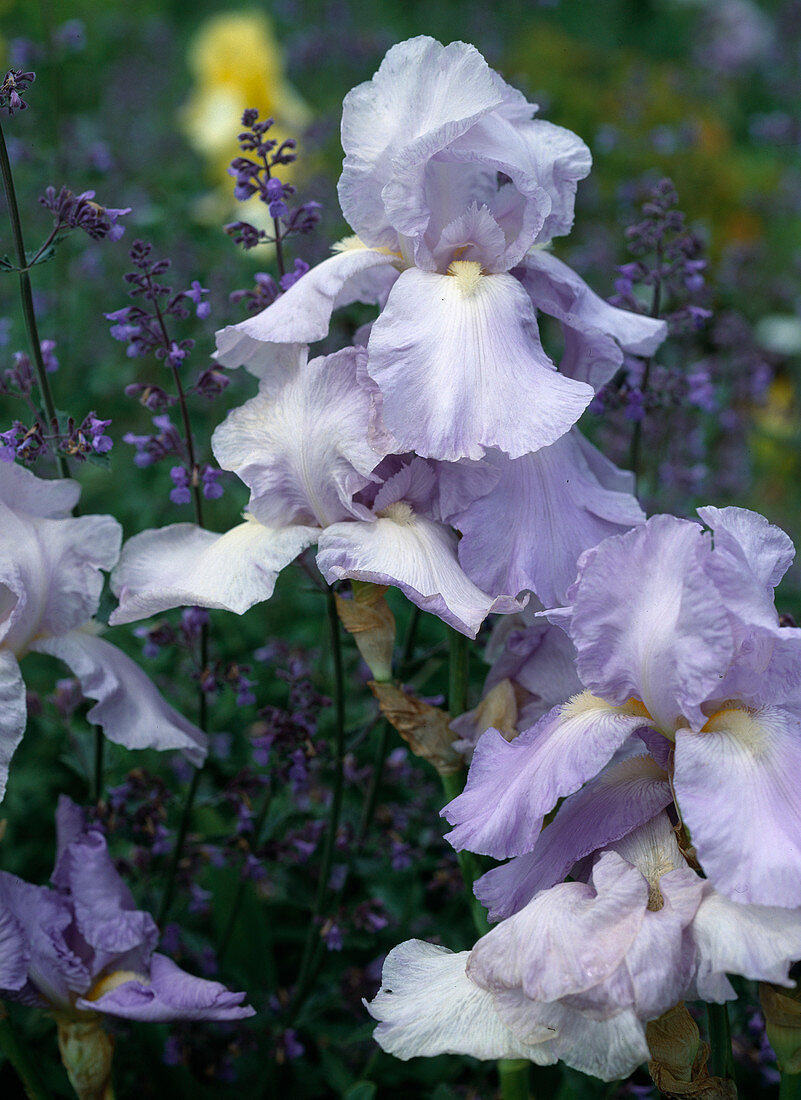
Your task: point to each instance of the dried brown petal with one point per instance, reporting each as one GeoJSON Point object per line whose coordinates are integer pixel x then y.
{"type": "Point", "coordinates": [424, 728]}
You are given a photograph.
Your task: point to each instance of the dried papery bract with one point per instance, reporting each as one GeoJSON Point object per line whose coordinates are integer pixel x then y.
{"type": "Point", "coordinates": [782, 1008]}
{"type": "Point", "coordinates": [368, 617]}
{"type": "Point", "coordinates": [678, 1064]}
{"type": "Point", "coordinates": [424, 728]}
{"type": "Point", "coordinates": [86, 1050]}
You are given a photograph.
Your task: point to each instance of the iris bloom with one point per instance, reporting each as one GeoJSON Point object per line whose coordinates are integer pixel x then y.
{"type": "Point", "coordinates": [578, 972]}
{"type": "Point", "coordinates": [676, 635]}
{"type": "Point", "coordinates": [50, 586]}
{"type": "Point", "coordinates": [83, 948]}
{"type": "Point", "coordinates": [313, 477]}
{"type": "Point", "coordinates": [454, 190]}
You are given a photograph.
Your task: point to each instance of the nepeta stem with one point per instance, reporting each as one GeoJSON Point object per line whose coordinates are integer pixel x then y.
{"type": "Point", "coordinates": [26, 296]}
{"type": "Point", "coordinates": [233, 912]}
{"type": "Point", "coordinates": [308, 968]}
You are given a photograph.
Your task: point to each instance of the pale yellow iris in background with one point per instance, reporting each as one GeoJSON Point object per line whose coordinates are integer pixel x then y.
{"type": "Point", "coordinates": [237, 63]}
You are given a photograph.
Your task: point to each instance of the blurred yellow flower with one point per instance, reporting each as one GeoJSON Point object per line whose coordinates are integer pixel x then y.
{"type": "Point", "coordinates": [237, 64]}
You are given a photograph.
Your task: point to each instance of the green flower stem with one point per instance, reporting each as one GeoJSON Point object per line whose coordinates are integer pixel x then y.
{"type": "Point", "coordinates": [97, 788]}
{"type": "Point", "coordinates": [17, 1055]}
{"type": "Point", "coordinates": [513, 1074]}
{"type": "Point", "coordinates": [311, 949]}
{"type": "Point", "coordinates": [790, 1086]}
{"type": "Point", "coordinates": [721, 1062]}
{"type": "Point", "coordinates": [233, 912]}
{"type": "Point", "coordinates": [458, 673]}
{"type": "Point", "coordinates": [26, 296]}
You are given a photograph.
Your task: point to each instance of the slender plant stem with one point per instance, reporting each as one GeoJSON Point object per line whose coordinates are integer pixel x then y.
{"type": "Point", "coordinates": [308, 965]}
{"type": "Point", "coordinates": [27, 298]}
{"type": "Point", "coordinates": [458, 672]}
{"type": "Point", "coordinates": [452, 785]}
{"type": "Point", "coordinates": [97, 789]}
{"type": "Point", "coordinates": [409, 638]}
{"type": "Point", "coordinates": [15, 1052]}
{"type": "Point", "coordinates": [469, 864]}
{"type": "Point", "coordinates": [197, 503]}
{"type": "Point", "coordinates": [721, 1058]}
{"type": "Point", "coordinates": [233, 912]}
{"type": "Point", "coordinates": [371, 798]}
{"type": "Point", "coordinates": [513, 1074]}
{"type": "Point", "coordinates": [180, 840]}
{"type": "Point", "coordinates": [636, 435]}
{"type": "Point", "coordinates": [790, 1086]}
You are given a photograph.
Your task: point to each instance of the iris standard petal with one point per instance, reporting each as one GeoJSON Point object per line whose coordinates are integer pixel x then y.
{"type": "Point", "coordinates": [303, 452]}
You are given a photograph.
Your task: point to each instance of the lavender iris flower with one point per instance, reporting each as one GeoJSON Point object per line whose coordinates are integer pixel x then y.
{"type": "Point", "coordinates": [82, 947]}
{"type": "Point", "coordinates": [50, 585]}
{"type": "Point", "coordinates": [579, 971]}
{"type": "Point", "coordinates": [454, 189]}
{"type": "Point", "coordinates": [676, 635]}
{"type": "Point", "coordinates": [314, 478]}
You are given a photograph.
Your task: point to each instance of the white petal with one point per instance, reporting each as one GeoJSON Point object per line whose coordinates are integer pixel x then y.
{"type": "Point", "coordinates": [597, 334]}
{"type": "Point", "coordinates": [416, 555]}
{"type": "Point", "coordinates": [760, 942]}
{"type": "Point", "coordinates": [23, 491]}
{"type": "Point", "coordinates": [129, 708]}
{"type": "Point", "coordinates": [427, 1005]}
{"type": "Point", "coordinates": [183, 565]}
{"type": "Point", "coordinates": [271, 344]}
{"type": "Point", "coordinates": [12, 712]}
{"type": "Point", "coordinates": [460, 366]}
{"type": "Point", "coordinates": [610, 1049]}
{"type": "Point", "coordinates": [569, 938]}
{"type": "Point", "coordinates": [52, 567]}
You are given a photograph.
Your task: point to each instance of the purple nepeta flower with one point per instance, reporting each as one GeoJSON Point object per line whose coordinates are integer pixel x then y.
{"type": "Point", "coordinates": [576, 974]}
{"type": "Point", "coordinates": [14, 83]}
{"type": "Point", "coordinates": [72, 211]}
{"type": "Point", "coordinates": [50, 581]}
{"type": "Point", "coordinates": [448, 203]}
{"type": "Point", "coordinates": [676, 633]}
{"type": "Point", "coordinates": [182, 491]}
{"type": "Point", "coordinates": [81, 946]}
